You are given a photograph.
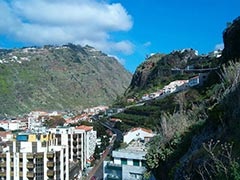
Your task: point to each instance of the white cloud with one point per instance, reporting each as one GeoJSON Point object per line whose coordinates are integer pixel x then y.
{"type": "Point", "coordinates": [42, 22]}
{"type": "Point", "coordinates": [147, 44]}
{"type": "Point", "coordinates": [219, 46]}
{"type": "Point", "coordinates": [120, 60]}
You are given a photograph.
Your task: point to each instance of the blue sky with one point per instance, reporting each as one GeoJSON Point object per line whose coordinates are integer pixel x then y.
{"type": "Point", "coordinates": [127, 29]}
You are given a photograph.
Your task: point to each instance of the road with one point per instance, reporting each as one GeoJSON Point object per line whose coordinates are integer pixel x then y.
{"type": "Point", "coordinates": [97, 171]}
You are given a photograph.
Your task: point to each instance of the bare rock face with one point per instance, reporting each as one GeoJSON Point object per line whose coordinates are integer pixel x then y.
{"type": "Point", "coordinates": [231, 39]}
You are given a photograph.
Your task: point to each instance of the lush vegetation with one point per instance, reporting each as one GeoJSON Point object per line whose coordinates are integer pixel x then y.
{"type": "Point", "coordinates": [58, 78]}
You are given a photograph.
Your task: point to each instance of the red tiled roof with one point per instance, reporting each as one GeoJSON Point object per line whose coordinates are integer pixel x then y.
{"type": "Point", "coordinates": [86, 128]}
{"type": "Point", "coordinates": [4, 133]}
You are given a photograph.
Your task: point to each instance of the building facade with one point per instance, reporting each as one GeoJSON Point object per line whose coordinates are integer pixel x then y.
{"type": "Point", "coordinates": [33, 157]}
{"type": "Point", "coordinates": [127, 164]}
{"type": "Point", "coordinates": [59, 153]}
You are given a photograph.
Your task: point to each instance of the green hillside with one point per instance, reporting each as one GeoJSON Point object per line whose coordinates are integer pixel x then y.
{"type": "Point", "coordinates": [58, 78]}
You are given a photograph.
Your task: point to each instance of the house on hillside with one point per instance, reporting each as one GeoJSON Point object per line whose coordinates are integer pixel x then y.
{"type": "Point", "coordinates": [138, 134]}
{"type": "Point", "coordinates": [128, 163]}
{"type": "Point", "coordinates": [169, 89]}
{"type": "Point", "coordinates": [194, 81]}
{"type": "Point", "coordinates": [146, 97]}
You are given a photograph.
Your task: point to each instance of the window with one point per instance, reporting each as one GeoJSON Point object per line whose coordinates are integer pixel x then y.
{"type": "Point", "coordinates": [144, 163]}
{"type": "Point", "coordinates": [123, 161]}
{"type": "Point", "coordinates": [136, 162]}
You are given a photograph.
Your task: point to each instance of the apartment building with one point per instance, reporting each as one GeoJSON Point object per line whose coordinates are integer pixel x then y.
{"type": "Point", "coordinates": [33, 157]}
{"type": "Point", "coordinates": [81, 142]}
{"type": "Point", "coordinates": [75, 140]}
{"type": "Point", "coordinates": [91, 138]}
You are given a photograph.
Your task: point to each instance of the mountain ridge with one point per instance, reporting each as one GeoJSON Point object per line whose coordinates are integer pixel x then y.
{"type": "Point", "coordinates": [58, 78]}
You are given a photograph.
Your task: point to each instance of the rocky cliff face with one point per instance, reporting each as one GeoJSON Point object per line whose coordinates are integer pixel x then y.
{"type": "Point", "coordinates": [231, 39]}
{"type": "Point", "coordinates": [157, 70]}
{"type": "Point", "coordinates": [58, 78]}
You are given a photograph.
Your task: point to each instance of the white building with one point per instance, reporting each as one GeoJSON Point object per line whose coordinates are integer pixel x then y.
{"type": "Point", "coordinates": [34, 156]}
{"type": "Point", "coordinates": [81, 142]}
{"type": "Point", "coordinates": [13, 125]}
{"type": "Point", "coordinates": [136, 134]}
{"type": "Point", "coordinates": [127, 164]}
{"type": "Point", "coordinates": [75, 140]}
{"type": "Point", "coordinates": [91, 139]}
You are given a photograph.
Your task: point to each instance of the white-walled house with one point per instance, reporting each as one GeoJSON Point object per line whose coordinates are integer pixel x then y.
{"type": "Point", "coordinates": [136, 134]}
{"type": "Point", "coordinates": [13, 125]}
{"type": "Point", "coordinates": [128, 163]}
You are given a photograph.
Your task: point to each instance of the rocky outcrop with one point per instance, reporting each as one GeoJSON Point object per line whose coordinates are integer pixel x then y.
{"type": "Point", "coordinates": [231, 39]}
{"type": "Point", "coordinates": [157, 68]}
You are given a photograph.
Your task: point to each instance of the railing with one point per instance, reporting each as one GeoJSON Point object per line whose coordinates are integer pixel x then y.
{"type": "Point", "coordinates": [2, 164]}
{"type": "Point", "coordinates": [30, 165]}
{"type": "Point", "coordinates": [112, 177]}
{"type": "Point", "coordinates": [30, 156]}
{"type": "Point", "coordinates": [50, 173]}
{"type": "Point", "coordinates": [30, 174]}
{"type": "Point", "coordinates": [50, 164]}
{"type": "Point", "coordinates": [50, 155]}
{"type": "Point", "coordinates": [20, 164]}
{"type": "Point", "coordinates": [2, 155]}
{"type": "Point", "coordinates": [2, 173]}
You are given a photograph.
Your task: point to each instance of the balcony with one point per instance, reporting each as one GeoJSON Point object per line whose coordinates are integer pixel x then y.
{"type": "Point", "coordinates": [50, 164]}
{"type": "Point", "coordinates": [30, 165]}
{"type": "Point", "coordinates": [74, 143]}
{"type": "Point", "coordinates": [2, 173]}
{"type": "Point", "coordinates": [50, 173]}
{"type": "Point", "coordinates": [30, 174]}
{"type": "Point", "coordinates": [30, 156]}
{"type": "Point", "coordinates": [50, 155]}
{"type": "Point", "coordinates": [39, 155]}
{"type": "Point", "coordinates": [74, 136]}
{"type": "Point", "coordinates": [2, 155]}
{"type": "Point", "coordinates": [21, 164]}
{"type": "Point", "coordinates": [2, 164]}
{"type": "Point", "coordinates": [74, 150]}
{"type": "Point", "coordinates": [12, 164]}
{"type": "Point", "coordinates": [112, 177]}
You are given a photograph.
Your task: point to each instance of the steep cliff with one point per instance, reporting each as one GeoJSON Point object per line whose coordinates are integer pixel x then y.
{"type": "Point", "coordinates": [231, 39]}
